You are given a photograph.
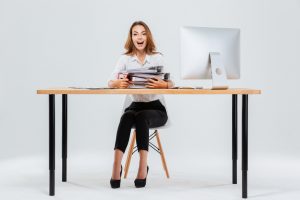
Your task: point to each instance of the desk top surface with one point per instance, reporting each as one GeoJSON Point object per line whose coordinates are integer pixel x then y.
{"type": "Point", "coordinates": [67, 90]}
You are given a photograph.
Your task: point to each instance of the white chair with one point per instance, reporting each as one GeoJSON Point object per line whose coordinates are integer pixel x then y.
{"type": "Point", "coordinates": [159, 149]}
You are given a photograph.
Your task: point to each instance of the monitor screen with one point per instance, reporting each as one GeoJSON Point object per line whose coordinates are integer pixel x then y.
{"type": "Point", "coordinates": [196, 43]}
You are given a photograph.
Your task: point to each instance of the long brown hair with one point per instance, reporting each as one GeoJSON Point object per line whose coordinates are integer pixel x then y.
{"type": "Point", "coordinates": [150, 47]}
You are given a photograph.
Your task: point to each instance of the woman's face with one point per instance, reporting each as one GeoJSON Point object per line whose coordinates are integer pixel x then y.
{"type": "Point", "coordinates": [139, 37]}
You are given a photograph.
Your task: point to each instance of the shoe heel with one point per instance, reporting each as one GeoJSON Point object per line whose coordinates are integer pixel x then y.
{"type": "Point", "coordinates": [139, 183]}
{"type": "Point", "coordinates": [116, 183]}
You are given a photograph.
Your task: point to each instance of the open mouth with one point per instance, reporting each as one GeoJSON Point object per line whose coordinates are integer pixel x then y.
{"type": "Point", "coordinates": [140, 43]}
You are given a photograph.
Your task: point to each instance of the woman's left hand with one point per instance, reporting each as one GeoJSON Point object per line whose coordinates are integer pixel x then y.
{"type": "Point", "coordinates": [157, 83]}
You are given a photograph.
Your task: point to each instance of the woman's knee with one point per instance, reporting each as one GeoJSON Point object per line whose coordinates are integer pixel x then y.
{"type": "Point", "coordinates": [141, 117]}
{"type": "Point", "coordinates": [128, 115]}
{"type": "Point", "coordinates": [151, 118]}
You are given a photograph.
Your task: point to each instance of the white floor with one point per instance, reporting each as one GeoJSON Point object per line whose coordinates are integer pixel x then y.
{"type": "Point", "coordinates": [88, 178]}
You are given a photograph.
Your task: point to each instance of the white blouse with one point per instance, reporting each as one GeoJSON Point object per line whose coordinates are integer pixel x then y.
{"type": "Point", "coordinates": [126, 62]}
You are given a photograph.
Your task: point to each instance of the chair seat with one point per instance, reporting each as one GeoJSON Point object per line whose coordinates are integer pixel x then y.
{"type": "Point", "coordinates": [165, 126]}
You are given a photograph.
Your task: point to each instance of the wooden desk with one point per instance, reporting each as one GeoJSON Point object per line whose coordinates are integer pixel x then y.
{"type": "Point", "coordinates": [67, 91]}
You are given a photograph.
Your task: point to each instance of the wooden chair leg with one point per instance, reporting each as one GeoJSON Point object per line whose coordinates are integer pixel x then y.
{"type": "Point", "coordinates": [162, 155]}
{"type": "Point", "coordinates": [130, 150]}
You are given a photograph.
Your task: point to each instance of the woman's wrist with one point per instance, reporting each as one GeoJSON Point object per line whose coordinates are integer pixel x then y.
{"type": "Point", "coordinates": [113, 84]}
{"type": "Point", "coordinates": [167, 84]}
{"type": "Point", "coordinates": [170, 84]}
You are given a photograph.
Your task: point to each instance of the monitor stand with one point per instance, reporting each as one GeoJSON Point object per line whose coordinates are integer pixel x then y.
{"type": "Point", "coordinates": [218, 72]}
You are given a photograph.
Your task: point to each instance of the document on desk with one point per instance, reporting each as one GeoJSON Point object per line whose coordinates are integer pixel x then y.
{"type": "Point", "coordinates": [133, 87]}
{"type": "Point", "coordinates": [90, 88]}
{"type": "Point", "coordinates": [187, 87]}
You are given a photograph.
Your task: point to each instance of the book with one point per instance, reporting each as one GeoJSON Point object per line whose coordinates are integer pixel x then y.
{"type": "Point", "coordinates": [140, 76]}
{"type": "Point", "coordinates": [145, 70]}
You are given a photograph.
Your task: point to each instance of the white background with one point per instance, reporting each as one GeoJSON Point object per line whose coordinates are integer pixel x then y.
{"type": "Point", "coordinates": [77, 43]}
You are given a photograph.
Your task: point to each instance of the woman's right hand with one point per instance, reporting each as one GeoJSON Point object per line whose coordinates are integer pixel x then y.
{"type": "Point", "coordinates": [120, 83]}
{"type": "Point", "coordinates": [123, 83]}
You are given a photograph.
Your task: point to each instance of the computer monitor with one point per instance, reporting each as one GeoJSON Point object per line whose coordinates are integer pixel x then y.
{"type": "Point", "coordinates": [210, 53]}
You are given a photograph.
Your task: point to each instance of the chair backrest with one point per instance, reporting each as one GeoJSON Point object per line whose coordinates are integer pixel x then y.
{"type": "Point", "coordinates": [128, 100]}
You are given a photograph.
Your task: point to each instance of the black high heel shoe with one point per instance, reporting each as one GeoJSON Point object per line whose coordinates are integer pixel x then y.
{"type": "Point", "coordinates": [114, 183]}
{"type": "Point", "coordinates": [139, 183]}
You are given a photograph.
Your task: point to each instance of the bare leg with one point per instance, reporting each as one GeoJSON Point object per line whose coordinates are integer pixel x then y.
{"type": "Point", "coordinates": [117, 164]}
{"type": "Point", "coordinates": [142, 173]}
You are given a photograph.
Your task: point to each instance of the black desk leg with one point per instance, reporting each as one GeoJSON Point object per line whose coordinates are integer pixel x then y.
{"type": "Point", "coordinates": [234, 138]}
{"type": "Point", "coordinates": [64, 136]}
{"type": "Point", "coordinates": [244, 145]}
{"type": "Point", "coordinates": [51, 144]}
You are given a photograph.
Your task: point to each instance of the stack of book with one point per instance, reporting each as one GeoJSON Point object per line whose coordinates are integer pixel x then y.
{"type": "Point", "coordinates": [139, 76]}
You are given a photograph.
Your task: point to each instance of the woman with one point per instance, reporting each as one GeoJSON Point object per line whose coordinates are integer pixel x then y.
{"type": "Point", "coordinates": [146, 111]}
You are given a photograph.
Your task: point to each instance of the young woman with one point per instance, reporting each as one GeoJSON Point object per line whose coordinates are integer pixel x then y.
{"type": "Point", "coordinates": [145, 111]}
